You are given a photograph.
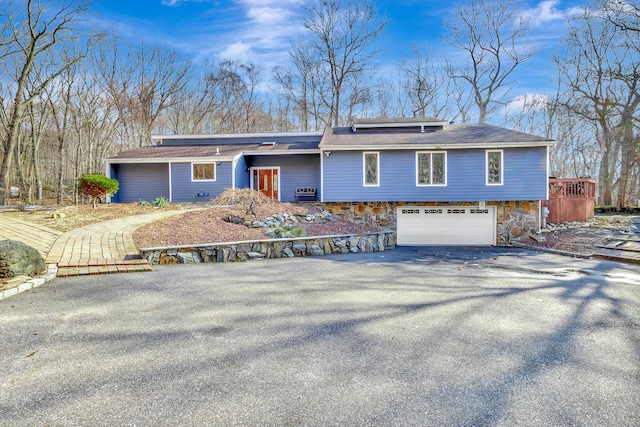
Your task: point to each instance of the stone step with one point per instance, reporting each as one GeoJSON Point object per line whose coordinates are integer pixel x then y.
{"type": "Point", "coordinates": [103, 269]}
{"type": "Point", "coordinates": [618, 255]}
{"type": "Point", "coordinates": [622, 245]}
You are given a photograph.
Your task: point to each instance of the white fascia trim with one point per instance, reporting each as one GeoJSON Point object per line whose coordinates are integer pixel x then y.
{"type": "Point", "coordinates": [430, 147]}
{"type": "Point", "coordinates": [548, 172]}
{"type": "Point", "coordinates": [160, 138]}
{"type": "Point", "coordinates": [107, 173]}
{"type": "Point", "coordinates": [234, 166]}
{"type": "Point", "coordinates": [172, 160]}
{"type": "Point", "coordinates": [280, 153]}
{"type": "Point", "coordinates": [398, 124]}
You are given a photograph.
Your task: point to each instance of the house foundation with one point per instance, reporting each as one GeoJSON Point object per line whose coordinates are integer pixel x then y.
{"type": "Point", "coordinates": [514, 218]}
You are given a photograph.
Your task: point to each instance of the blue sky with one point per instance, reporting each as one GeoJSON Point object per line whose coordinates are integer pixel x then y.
{"type": "Point", "coordinates": [260, 31]}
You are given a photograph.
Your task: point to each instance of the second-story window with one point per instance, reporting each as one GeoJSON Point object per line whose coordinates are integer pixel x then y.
{"type": "Point", "coordinates": [371, 166]}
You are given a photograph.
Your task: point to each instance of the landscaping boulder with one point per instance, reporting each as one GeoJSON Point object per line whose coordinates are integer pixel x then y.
{"type": "Point", "coordinates": [17, 259]}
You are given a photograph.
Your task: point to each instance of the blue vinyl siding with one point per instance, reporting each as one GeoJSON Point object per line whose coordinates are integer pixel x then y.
{"type": "Point", "coordinates": [183, 190]}
{"type": "Point", "coordinates": [298, 170]}
{"type": "Point", "coordinates": [241, 173]}
{"type": "Point", "coordinates": [140, 182]}
{"type": "Point", "coordinates": [525, 177]}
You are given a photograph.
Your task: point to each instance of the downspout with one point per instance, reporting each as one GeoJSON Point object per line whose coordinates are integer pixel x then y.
{"type": "Point", "coordinates": [170, 184]}
{"type": "Point", "coordinates": [107, 173]}
{"type": "Point", "coordinates": [322, 177]}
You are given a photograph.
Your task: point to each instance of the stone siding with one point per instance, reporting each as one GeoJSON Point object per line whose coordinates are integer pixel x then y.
{"type": "Point", "coordinates": [514, 218]}
{"type": "Point", "coordinates": [272, 248]}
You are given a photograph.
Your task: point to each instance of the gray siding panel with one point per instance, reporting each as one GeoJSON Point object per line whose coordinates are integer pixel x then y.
{"type": "Point", "coordinates": [525, 177]}
{"type": "Point", "coordinates": [141, 182]}
{"type": "Point", "coordinates": [184, 190]}
{"type": "Point", "coordinates": [298, 170]}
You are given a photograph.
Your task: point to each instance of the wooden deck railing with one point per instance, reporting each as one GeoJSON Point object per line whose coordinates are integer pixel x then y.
{"type": "Point", "coordinates": [570, 199]}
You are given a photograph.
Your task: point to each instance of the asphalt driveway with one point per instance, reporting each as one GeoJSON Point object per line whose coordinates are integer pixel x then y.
{"type": "Point", "coordinates": [406, 337]}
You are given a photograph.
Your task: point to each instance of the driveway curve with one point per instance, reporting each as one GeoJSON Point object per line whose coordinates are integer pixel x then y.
{"type": "Point", "coordinates": [415, 336]}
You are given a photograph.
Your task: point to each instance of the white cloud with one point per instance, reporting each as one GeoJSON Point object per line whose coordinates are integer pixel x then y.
{"type": "Point", "coordinates": [530, 101]}
{"type": "Point", "coordinates": [268, 15]}
{"type": "Point", "coordinates": [239, 51]}
{"type": "Point", "coordinates": [547, 11]}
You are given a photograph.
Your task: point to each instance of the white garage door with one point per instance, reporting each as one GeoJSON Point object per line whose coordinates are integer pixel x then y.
{"type": "Point", "coordinates": [446, 225]}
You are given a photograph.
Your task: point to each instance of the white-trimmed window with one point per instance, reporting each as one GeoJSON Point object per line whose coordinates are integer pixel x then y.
{"type": "Point", "coordinates": [371, 169]}
{"type": "Point", "coordinates": [203, 171]}
{"type": "Point", "coordinates": [431, 168]}
{"type": "Point", "coordinates": [495, 167]}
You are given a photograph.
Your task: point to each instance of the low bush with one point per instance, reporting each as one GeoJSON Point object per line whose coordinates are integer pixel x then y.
{"type": "Point", "coordinates": [160, 202]}
{"type": "Point", "coordinates": [287, 232]}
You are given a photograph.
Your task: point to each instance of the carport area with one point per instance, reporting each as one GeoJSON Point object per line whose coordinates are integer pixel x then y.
{"type": "Point", "coordinates": [414, 336]}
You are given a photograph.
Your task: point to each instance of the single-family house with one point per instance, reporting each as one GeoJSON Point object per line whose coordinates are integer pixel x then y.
{"type": "Point", "coordinates": [434, 183]}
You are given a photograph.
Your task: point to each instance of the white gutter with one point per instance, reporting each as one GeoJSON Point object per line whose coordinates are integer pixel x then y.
{"type": "Point", "coordinates": [170, 159]}
{"type": "Point", "coordinates": [281, 152]}
{"type": "Point", "coordinates": [501, 145]}
{"type": "Point", "coordinates": [160, 138]}
{"type": "Point", "coordinates": [213, 158]}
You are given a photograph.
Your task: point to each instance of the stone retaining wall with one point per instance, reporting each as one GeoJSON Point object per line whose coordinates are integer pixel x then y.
{"type": "Point", "coordinates": [514, 218]}
{"type": "Point", "coordinates": [272, 248]}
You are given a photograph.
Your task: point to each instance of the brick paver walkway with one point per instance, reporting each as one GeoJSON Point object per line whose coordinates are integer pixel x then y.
{"type": "Point", "coordinates": [105, 247]}
{"type": "Point", "coordinates": [34, 235]}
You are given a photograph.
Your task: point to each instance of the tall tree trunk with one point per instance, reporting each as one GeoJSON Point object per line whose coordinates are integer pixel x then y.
{"type": "Point", "coordinates": [24, 187]}
{"type": "Point", "coordinates": [36, 172]}
{"type": "Point", "coordinates": [10, 144]}
{"type": "Point", "coordinates": [604, 176]}
{"type": "Point", "coordinates": [60, 169]}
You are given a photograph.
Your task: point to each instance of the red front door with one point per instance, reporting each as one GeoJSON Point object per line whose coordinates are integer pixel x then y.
{"type": "Point", "coordinates": [266, 181]}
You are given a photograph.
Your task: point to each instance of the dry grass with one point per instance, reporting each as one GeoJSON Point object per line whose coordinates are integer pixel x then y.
{"type": "Point", "coordinates": [203, 225]}
{"type": "Point", "coordinates": [77, 216]}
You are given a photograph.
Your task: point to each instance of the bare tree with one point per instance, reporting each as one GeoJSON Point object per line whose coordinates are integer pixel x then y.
{"type": "Point", "coordinates": [33, 32]}
{"type": "Point", "coordinates": [232, 87]}
{"type": "Point", "coordinates": [142, 82]}
{"type": "Point", "coordinates": [491, 35]}
{"type": "Point", "coordinates": [421, 83]}
{"type": "Point", "coordinates": [623, 14]}
{"type": "Point", "coordinates": [602, 74]}
{"type": "Point", "coordinates": [298, 83]}
{"type": "Point", "coordinates": [342, 38]}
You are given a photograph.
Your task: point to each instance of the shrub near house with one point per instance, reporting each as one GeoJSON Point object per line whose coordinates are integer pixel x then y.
{"type": "Point", "coordinates": [97, 185]}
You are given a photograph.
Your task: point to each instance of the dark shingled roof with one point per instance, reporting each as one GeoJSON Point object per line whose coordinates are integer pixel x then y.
{"type": "Point", "coordinates": [450, 135]}
{"type": "Point", "coordinates": [480, 134]}
{"type": "Point", "coordinates": [225, 150]}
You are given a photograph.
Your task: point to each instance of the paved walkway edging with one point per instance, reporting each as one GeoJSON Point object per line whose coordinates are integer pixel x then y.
{"type": "Point", "coordinates": [50, 274]}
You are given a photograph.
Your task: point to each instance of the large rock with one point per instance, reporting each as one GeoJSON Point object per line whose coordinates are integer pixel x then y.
{"type": "Point", "coordinates": [17, 259]}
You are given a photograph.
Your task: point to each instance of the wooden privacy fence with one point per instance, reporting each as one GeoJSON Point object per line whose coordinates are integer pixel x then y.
{"type": "Point", "coordinates": [570, 199]}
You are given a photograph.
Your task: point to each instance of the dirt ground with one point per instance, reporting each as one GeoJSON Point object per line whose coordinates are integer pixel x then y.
{"type": "Point", "coordinates": [205, 224]}
{"type": "Point", "coordinates": [200, 224]}
{"type": "Point", "coordinates": [578, 240]}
